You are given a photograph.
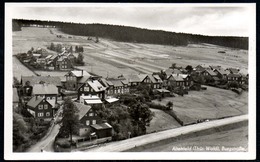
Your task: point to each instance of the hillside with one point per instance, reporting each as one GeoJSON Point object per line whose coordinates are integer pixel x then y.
{"type": "Point", "coordinates": [136, 35]}
{"type": "Point", "coordinates": [113, 58]}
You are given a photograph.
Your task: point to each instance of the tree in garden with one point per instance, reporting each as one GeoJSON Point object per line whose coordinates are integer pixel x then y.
{"type": "Point", "coordinates": [189, 68]}
{"type": "Point", "coordinates": [173, 66]}
{"type": "Point", "coordinates": [169, 105]}
{"type": "Point", "coordinates": [141, 116]}
{"type": "Point", "coordinates": [70, 119]}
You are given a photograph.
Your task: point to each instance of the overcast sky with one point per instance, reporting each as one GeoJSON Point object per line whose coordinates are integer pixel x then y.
{"type": "Point", "coordinates": [229, 21]}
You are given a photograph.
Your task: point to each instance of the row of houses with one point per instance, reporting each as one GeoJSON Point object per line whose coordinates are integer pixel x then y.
{"type": "Point", "coordinates": [61, 61]}
{"type": "Point", "coordinates": [218, 73]}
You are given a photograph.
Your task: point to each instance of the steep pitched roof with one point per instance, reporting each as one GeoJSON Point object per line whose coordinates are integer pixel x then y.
{"type": "Point", "coordinates": [83, 109]}
{"type": "Point", "coordinates": [211, 72]}
{"type": "Point", "coordinates": [125, 82]}
{"type": "Point", "coordinates": [151, 77]}
{"type": "Point", "coordinates": [104, 82]}
{"type": "Point", "coordinates": [54, 56]}
{"type": "Point", "coordinates": [37, 79]}
{"type": "Point", "coordinates": [15, 95]}
{"type": "Point", "coordinates": [45, 89]}
{"type": "Point", "coordinates": [116, 83]}
{"type": "Point", "coordinates": [62, 58]}
{"type": "Point", "coordinates": [34, 101]}
{"type": "Point", "coordinates": [177, 77]}
{"type": "Point", "coordinates": [168, 71]}
{"type": "Point", "coordinates": [96, 85]}
{"type": "Point", "coordinates": [222, 71]}
{"type": "Point", "coordinates": [142, 76]}
{"type": "Point", "coordinates": [233, 70]}
{"type": "Point", "coordinates": [157, 77]}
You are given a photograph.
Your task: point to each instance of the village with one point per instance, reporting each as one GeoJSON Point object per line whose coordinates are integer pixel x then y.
{"type": "Point", "coordinates": [91, 109]}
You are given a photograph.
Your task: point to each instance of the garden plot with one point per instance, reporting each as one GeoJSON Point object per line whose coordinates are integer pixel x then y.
{"type": "Point", "coordinates": [213, 103]}
{"type": "Point", "coordinates": [161, 121]}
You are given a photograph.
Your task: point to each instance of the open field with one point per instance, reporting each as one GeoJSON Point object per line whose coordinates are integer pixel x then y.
{"type": "Point", "coordinates": [19, 69]}
{"type": "Point", "coordinates": [234, 138]}
{"type": "Point", "coordinates": [111, 58]}
{"type": "Point", "coordinates": [212, 103]}
{"type": "Point", "coordinates": [161, 121]}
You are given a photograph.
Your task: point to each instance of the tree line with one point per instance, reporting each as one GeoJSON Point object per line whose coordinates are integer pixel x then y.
{"type": "Point", "coordinates": [138, 35]}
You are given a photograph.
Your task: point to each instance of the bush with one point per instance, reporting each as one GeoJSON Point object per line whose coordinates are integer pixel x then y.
{"type": "Point", "coordinates": [156, 106]}
{"type": "Point", "coordinates": [63, 143]}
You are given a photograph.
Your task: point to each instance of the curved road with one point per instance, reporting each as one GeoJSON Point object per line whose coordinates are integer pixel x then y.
{"type": "Point", "coordinates": [154, 137]}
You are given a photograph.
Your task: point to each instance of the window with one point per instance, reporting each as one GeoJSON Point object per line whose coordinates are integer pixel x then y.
{"type": "Point", "coordinates": [87, 122]}
{"type": "Point", "coordinates": [93, 121]}
{"type": "Point", "coordinates": [86, 89]}
{"type": "Point", "coordinates": [45, 106]}
{"type": "Point", "coordinates": [48, 98]}
{"type": "Point", "coordinates": [40, 114]}
{"type": "Point", "coordinates": [47, 113]}
{"type": "Point", "coordinates": [40, 107]}
{"type": "Point", "coordinates": [90, 114]}
{"type": "Point", "coordinates": [53, 98]}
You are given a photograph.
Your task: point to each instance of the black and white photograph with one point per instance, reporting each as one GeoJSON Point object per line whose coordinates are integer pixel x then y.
{"type": "Point", "coordinates": [88, 81]}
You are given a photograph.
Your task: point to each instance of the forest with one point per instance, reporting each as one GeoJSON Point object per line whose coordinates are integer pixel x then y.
{"type": "Point", "coordinates": [133, 34]}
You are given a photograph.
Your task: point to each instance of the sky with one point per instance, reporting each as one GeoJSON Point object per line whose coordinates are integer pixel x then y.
{"type": "Point", "coordinates": [206, 20]}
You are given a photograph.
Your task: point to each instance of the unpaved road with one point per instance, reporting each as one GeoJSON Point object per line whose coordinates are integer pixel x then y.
{"type": "Point", "coordinates": [154, 137]}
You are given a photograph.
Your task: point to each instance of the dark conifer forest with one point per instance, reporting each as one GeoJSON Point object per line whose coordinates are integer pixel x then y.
{"type": "Point", "coordinates": [133, 34]}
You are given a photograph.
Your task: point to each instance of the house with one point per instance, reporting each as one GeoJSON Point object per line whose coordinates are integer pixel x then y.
{"type": "Point", "coordinates": [90, 100]}
{"type": "Point", "coordinates": [47, 91]}
{"type": "Point", "coordinates": [15, 98]}
{"type": "Point", "coordinates": [87, 117]}
{"type": "Point", "coordinates": [63, 63]}
{"type": "Point", "coordinates": [221, 73]}
{"type": "Point", "coordinates": [170, 71]}
{"type": "Point", "coordinates": [76, 78]}
{"type": "Point", "coordinates": [163, 92]}
{"type": "Point", "coordinates": [28, 81]}
{"type": "Point", "coordinates": [200, 69]}
{"type": "Point", "coordinates": [208, 72]}
{"type": "Point", "coordinates": [234, 78]}
{"type": "Point", "coordinates": [154, 81]}
{"type": "Point", "coordinates": [175, 80]}
{"type": "Point", "coordinates": [115, 86]}
{"type": "Point", "coordinates": [188, 81]}
{"type": "Point", "coordinates": [40, 108]}
{"type": "Point", "coordinates": [133, 80]}
{"type": "Point", "coordinates": [92, 87]}
{"type": "Point", "coordinates": [233, 70]}
{"type": "Point", "coordinates": [102, 130]}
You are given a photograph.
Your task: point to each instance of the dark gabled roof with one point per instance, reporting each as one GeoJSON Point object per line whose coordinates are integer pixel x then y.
{"type": "Point", "coordinates": [45, 89]}
{"type": "Point", "coordinates": [157, 77]}
{"type": "Point", "coordinates": [151, 77]}
{"type": "Point", "coordinates": [176, 77]}
{"type": "Point", "coordinates": [211, 72]}
{"type": "Point", "coordinates": [37, 79]}
{"type": "Point", "coordinates": [83, 109]}
{"type": "Point", "coordinates": [34, 101]}
{"type": "Point", "coordinates": [15, 95]}
{"type": "Point", "coordinates": [222, 71]}
{"type": "Point", "coordinates": [142, 76]}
